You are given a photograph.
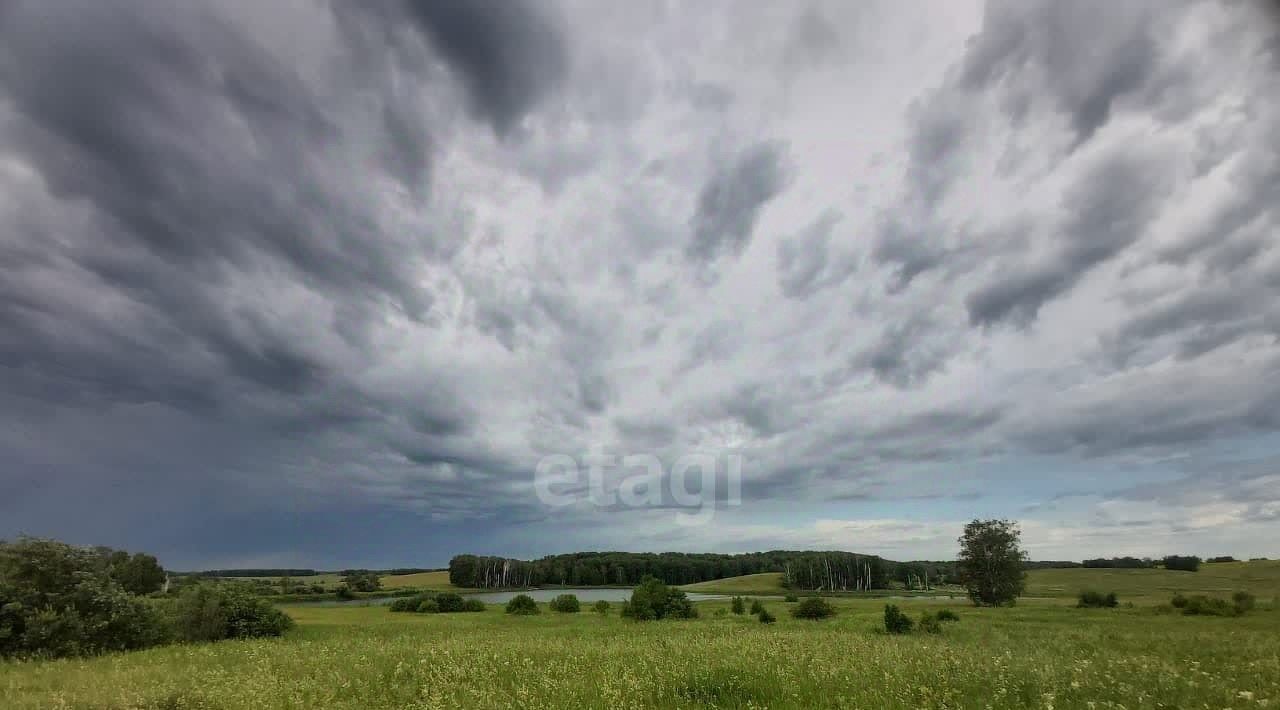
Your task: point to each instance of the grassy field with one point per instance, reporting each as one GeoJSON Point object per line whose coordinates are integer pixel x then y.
{"type": "Point", "coordinates": [765, 583]}
{"type": "Point", "coordinates": [1043, 653]}
{"type": "Point", "coordinates": [422, 580]}
{"type": "Point", "coordinates": [1038, 654]}
{"type": "Point", "coordinates": [1261, 578]}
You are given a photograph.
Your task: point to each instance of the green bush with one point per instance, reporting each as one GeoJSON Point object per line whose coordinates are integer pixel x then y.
{"type": "Point", "coordinates": [566, 604]}
{"type": "Point", "coordinates": [601, 607]}
{"type": "Point", "coordinates": [813, 608]}
{"type": "Point", "coordinates": [756, 606]}
{"type": "Point", "coordinates": [522, 605]}
{"type": "Point", "coordinates": [655, 600]}
{"type": "Point", "coordinates": [59, 600]}
{"type": "Point", "coordinates": [895, 622]}
{"type": "Point", "coordinates": [212, 612]}
{"type": "Point", "coordinates": [738, 606]}
{"type": "Point", "coordinates": [449, 602]}
{"type": "Point", "coordinates": [1244, 601]}
{"type": "Point", "coordinates": [428, 606]}
{"type": "Point", "coordinates": [947, 615]}
{"type": "Point", "coordinates": [406, 604]}
{"type": "Point", "coordinates": [765, 617]}
{"type": "Point", "coordinates": [473, 605]}
{"type": "Point", "coordinates": [791, 598]}
{"type": "Point", "coordinates": [1201, 605]}
{"type": "Point", "coordinates": [930, 624]}
{"type": "Point", "coordinates": [1097, 600]}
{"type": "Point", "coordinates": [344, 593]}
{"type": "Point", "coordinates": [1178, 601]}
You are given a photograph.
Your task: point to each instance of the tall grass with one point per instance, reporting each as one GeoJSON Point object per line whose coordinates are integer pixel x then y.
{"type": "Point", "coordinates": [1034, 655]}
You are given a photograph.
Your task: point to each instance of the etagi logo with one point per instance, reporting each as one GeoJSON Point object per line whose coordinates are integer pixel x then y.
{"type": "Point", "coordinates": [636, 481]}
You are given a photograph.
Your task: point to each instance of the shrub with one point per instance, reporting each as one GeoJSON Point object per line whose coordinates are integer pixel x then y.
{"type": "Point", "coordinates": [601, 607]}
{"type": "Point", "coordinates": [522, 605]}
{"type": "Point", "coordinates": [344, 593]}
{"type": "Point", "coordinates": [1186, 563]}
{"type": "Point", "coordinates": [895, 622]}
{"type": "Point", "coordinates": [473, 605]}
{"type": "Point", "coordinates": [1243, 602]}
{"type": "Point", "coordinates": [60, 600]}
{"type": "Point", "coordinates": [412, 603]}
{"type": "Point", "coordinates": [1178, 601]}
{"type": "Point", "coordinates": [566, 604]}
{"type": "Point", "coordinates": [655, 600]}
{"type": "Point", "coordinates": [1201, 605]}
{"type": "Point", "coordinates": [449, 602]}
{"type": "Point", "coordinates": [791, 598]}
{"type": "Point", "coordinates": [362, 580]}
{"type": "Point", "coordinates": [1097, 600]}
{"type": "Point", "coordinates": [428, 606]}
{"type": "Point", "coordinates": [1223, 558]}
{"type": "Point", "coordinates": [211, 612]}
{"type": "Point", "coordinates": [765, 617]}
{"type": "Point", "coordinates": [813, 608]}
{"type": "Point", "coordinates": [946, 615]}
{"type": "Point", "coordinates": [738, 606]}
{"type": "Point", "coordinates": [756, 606]}
{"type": "Point", "coordinates": [930, 624]}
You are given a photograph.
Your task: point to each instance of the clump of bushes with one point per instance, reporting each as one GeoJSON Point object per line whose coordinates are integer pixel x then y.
{"type": "Point", "coordinates": [522, 605]}
{"type": "Point", "coordinates": [449, 602]}
{"type": "Point", "coordinates": [895, 622]}
{"type": "Point", "coordinates": [738, 606]}
{"type": "Point", "coordinates": [655, 600]}
{"type": "Point", "coordinates": [930, 624]}
{"type": "Point", "coordinates": [404, 604]}
{"type": "Point", "coordinates": [1091, 599]}
{"type": "Point", "coordinates": [59, 600]}
{"type": "Point", "coordinates": [566, 604]}
{"type": "Point", "coordinates": [946, 615]}
{"type": "Point", "coordinates": [428, 603]}
{"type": "Point", "coordinates": [765, 617]}
{"type": "Point", "coordinates": [1244, 601]}
{"type": "Point", "coordinates": [813, 608]}
{"type": "Point", "coordinates": [212, 612]}
{"type": "Point", "coordinates": [756, 607]}
{"type": "Point", "coordinates": [601, 607]}
{"type": "Point", "coordinates": [791, 599]}
{"type": "Point", "coordinates": [1203, 605]}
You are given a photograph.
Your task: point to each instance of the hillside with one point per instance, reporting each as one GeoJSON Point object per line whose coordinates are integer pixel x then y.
{"type": "Point", "coordinates": [762, 583]}
{"type": "Point", "coordinates": [421, 580]}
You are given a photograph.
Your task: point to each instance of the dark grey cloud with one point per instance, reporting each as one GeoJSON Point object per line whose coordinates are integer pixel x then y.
{"type": "Point", "coordinates": [806, 262]}
{"type": "Point", "coordinates": [1107, 210]}
{"type": "Point", "coordinates": [907, 352]}
{"type": "Point", "coordinates": [731, 200]}
{"type": "Point", "coordinates": [1032, 50]}
{"type": "Point", "coordinates": [508, 53]}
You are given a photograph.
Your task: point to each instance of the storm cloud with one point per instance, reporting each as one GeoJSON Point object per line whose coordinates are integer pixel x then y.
{"type": "Point", "coordinates": [322, 283]}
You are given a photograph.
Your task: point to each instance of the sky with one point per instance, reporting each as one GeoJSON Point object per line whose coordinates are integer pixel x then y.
{"type": "Point", "coordinates": [319, 283]}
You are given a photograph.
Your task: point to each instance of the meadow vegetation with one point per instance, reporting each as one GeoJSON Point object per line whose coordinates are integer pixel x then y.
{"type": "Point", "coordinates": [1038, 654]}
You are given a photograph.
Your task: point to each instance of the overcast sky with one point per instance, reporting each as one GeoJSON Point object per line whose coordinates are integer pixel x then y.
{"type": "Point", "coordinates": [317, 283]}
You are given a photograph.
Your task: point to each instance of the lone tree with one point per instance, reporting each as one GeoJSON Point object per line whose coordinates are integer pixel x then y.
{"type": "Point", "coordinates": [990, 563]}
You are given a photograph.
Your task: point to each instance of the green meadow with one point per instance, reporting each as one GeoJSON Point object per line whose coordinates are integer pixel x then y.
{"type": "Point", "coordinates": [1041, 653]}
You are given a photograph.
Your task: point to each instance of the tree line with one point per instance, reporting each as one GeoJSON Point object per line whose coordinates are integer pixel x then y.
{"type": "Point", "coordinates": [801, 570]}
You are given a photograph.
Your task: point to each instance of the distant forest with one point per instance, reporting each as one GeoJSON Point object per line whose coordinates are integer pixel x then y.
{"type": "Point", "coordinates": [802, 570]}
